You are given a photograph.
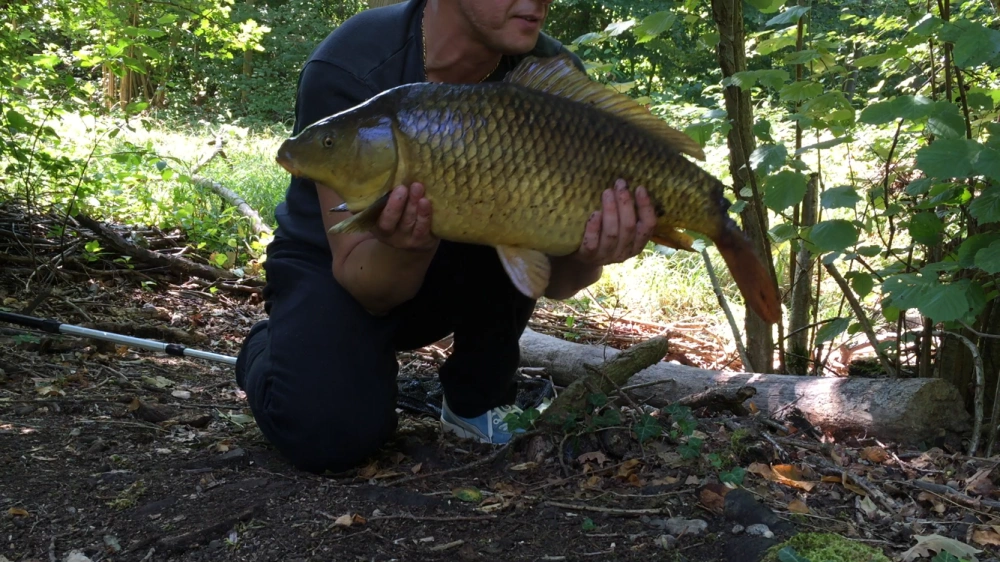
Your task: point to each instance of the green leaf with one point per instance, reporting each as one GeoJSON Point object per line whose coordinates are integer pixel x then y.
{"type": "Point", "coordinates": [800, 91]}
{"type": "Point", "coordinates": [615, 29]}
{"type": "Point", "coordinates": [972, 245]}
{"type": "Point", "coordinates": [471, 495]}
{"type": "Point", "coordinates": [942, 303]}
{"type": "Point", "coordinates": [734, 476]}
{"type": "Point", "coordinates": [767, 6]}
{"type": "Point", "coordinates": [988, 163]}
{"type": "Point", "coordinates": [862, 283]}
{"type": "Point", "coordinates": [92, 246]}
{"type": "Point", "coordinates": [653, 25]}
{"type": "Point", "coordinates": [588, 524]}
{"type": "Point", "coordinates": [834, 235]}
{"type": "Point", "coordinates": [782, 233]}
{"type": "Point", "coordinates": [840, 197]}
{"type": "Point", "coordinates": [926, 228]}
{"type": "Point", "coordinates": [948, 158]}
{"type": "Point", "coordinates": [788, 16]}
{"type": "Point", "coordinates": [870, 251]}
{"type": "Point", "coordinates": [945, 121]}
{"type": "Point", "coordinates": [647, 428]}
{"type": "Point", "coordinates": [771, 78]}
{"type": "Point", "coordinates": [919, 187]}
{"type": "Point", "coordinates": [988, 259]}
{"type": "Point", "coordinates": [768, 157]}
{"type": "Point", "coordinates": [784, 190]}
{"type": "Point", "coordinates": [974, 44]}
{"type": "Point", "coordinates": [823, 144]}
{"type": "Point", "coordinates": [985, 207]}
{"type": "Point", "coordinates": [872, 60]}
{"type": "Point", "coordinates": [17, 121]}
{"type": "Point", "coordinates": [830, 330]}
{"type": "Point", "coordinates": [902, 107]}
{"type": "Point", "coordinates": [801, 57]}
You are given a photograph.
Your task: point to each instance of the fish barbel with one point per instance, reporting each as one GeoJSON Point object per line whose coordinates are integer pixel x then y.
{"type": "Point", "coordinates": [521, 165]}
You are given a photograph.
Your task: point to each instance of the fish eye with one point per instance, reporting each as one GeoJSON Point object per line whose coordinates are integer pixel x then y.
{"type": "Point", "coordinates": [328, 141]}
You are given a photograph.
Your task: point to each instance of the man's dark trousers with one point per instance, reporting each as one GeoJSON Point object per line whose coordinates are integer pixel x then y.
{"type": "Point", "coordinates": [320, 373]}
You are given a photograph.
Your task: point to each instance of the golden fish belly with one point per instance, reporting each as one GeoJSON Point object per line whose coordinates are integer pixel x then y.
{"type": "Point", "coordinates": [509, 166]}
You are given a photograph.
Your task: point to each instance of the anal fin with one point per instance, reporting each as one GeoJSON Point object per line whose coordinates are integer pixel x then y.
{"type": "Point", "coordinates": [363, 221]}
{"type": "Point", "coordinates": [529, 270]}
{"type": "Point", "coordinates": [673, 238]}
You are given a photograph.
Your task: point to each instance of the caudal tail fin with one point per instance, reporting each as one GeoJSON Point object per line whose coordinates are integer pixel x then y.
{"type": "Point", "coordinates": [751, 277]}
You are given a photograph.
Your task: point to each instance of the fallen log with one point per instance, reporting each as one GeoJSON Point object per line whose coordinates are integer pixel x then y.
{"type": "Point", "coordinates": [907, 411]}
{"type": "Point", "coordinates": [175, 263]}
{"type": "Point", "coordinates": [257, 225]}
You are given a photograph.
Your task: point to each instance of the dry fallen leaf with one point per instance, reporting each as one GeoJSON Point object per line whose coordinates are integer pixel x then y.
{"type": "Point", "coordinates": [368, 472]}
{"type": "Point", "coordinates": [980, 484]}
{"type": "Point", "coordinates": [593, 456]}
{"type": "Point", "coordinates": [713, 497]}
{"type": "Point", "coordinates": [347, 520]}
{"type": "Point", "coordinates": [866, 505]}
{"type": "Point", "coordinates": [416, 468]}
{"type": "Point", "coordinates": [877, 455]}
{"type": "Point", "coordinates": [988, 535]}
{"type": "Point", "coordinates": [930, 544]}
{"type": "Point", "coordinates": [798, 506]}
{"type": "Point", "coordinates": [520, 467]}
{"type": "Point", "coordinates": [18, 512]}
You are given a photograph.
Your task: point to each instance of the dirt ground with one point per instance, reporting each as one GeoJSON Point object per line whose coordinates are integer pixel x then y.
{"type": "Point", "coordinates": [111, 453]}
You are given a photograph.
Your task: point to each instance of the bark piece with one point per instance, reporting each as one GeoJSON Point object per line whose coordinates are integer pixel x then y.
{"type": "Point", "coordinates": [605, 378]}
{"type": "Point", "coordinates": [900, 410]}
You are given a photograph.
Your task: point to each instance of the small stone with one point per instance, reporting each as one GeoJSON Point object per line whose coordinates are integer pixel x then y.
{"type": "Point", "coordinates": [680, 526]}
{"type": "Point", "coordinates": [666, 542]}
{"type": "Point", "coordinates": [760, 530]}
{"type": "Point", "coordinates": [76, 556]}
{"type": "Point", "coordinates": [737, 529]}
{"type": "Point", "coordinates": [182, 394]}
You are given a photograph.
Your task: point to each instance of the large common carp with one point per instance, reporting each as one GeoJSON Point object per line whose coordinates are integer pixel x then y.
{"type": "Point", "coordinates": [520, 165]}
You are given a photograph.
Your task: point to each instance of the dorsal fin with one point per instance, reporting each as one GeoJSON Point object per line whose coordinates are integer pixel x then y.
{"type": "Point", "coordinates": [559, 76]}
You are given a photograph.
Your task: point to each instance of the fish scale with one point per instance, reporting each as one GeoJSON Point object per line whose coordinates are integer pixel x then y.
{"type": "Point", "coordinates": [521, 165]}
{"type": "Point", "coordinates": [485, 191]}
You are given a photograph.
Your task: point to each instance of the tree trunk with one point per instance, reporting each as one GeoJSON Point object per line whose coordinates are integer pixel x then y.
{"type": "Point", "coordinates": [907, 411]}
{"type": "Point", "coordinates": [797, 354]}
{"type": "Point", "coordinates": [728, 15]}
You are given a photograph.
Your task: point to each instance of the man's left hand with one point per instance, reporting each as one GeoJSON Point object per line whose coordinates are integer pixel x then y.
{"type": "Point", "coordinates": [620, 230]}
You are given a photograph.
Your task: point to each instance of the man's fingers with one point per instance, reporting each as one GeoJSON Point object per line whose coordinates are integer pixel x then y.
{"type": "Point", "coordinates": [422, 227]}
{"type": "Point", "coordinates": [626, 221]}
{"type": "Point", "coordinates": [394, 208]}
{"type": "Point", "coordinates": [591, 236]}
{"type": "Point", "coordinates": [647, 220]}
{"type": "Point", "coordinates": [609, 226]}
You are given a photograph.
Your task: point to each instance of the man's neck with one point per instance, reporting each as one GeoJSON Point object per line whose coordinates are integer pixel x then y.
{"type": "Point", "coordinates": [453, 54]}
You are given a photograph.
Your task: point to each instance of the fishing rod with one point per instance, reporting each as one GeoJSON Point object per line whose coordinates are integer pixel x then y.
{"type": "Point", "coordinates": [55, 327]}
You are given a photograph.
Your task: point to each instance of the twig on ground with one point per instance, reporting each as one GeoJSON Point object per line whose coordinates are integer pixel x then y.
{"type": "Point", "coordinates": [610, 510]}
{"type": "Point", "coordinates": [954, 495]}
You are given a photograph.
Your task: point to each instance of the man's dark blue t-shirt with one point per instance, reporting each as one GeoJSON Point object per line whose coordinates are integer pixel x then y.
{"type": "Point", "coordinates": [371, 52]}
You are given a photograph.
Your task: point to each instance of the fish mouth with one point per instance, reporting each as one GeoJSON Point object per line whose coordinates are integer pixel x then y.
{"type": "Point", "coordinates": [285, 159]}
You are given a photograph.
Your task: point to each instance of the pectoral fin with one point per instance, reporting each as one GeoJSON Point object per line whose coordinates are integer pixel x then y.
{"type": "Point", "coordinates": [529, 270]}
{"type": "Point", "coordinates": [363, 221]}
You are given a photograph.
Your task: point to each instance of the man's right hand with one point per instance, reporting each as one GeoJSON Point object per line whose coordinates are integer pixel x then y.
{"type": "Point", "coordinates": [405, 222]}
{"type": "Point", "coordinates": [384, 266]}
